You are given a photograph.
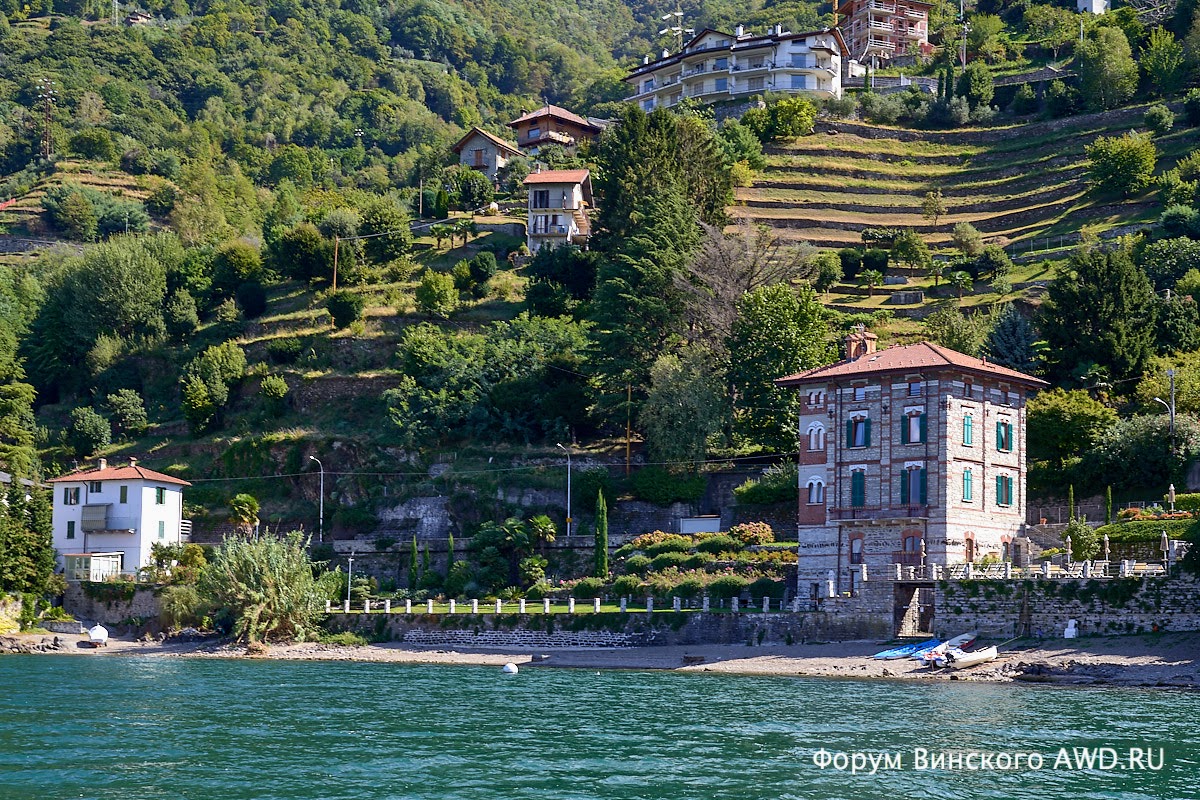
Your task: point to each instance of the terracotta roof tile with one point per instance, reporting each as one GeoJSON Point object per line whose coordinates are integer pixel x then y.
{"type": "Point", "coordinates": [553, 111]}
{"type": "Point", "coordinates": [558, 176]}
{"type": "Point", "coordinates": [126, 473]}
{"type": "Point", "coordinates": [909, 358]}
{"type": "Point", "coordinates": [491, 137]}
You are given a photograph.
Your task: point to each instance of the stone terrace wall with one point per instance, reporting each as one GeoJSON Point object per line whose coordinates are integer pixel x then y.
{"type": "Point", "coordinates": [1042, 608]}
{"type": "Point", "coordinates": [632, 629]}
{"type": "Point", "coordinates": [144, 605]}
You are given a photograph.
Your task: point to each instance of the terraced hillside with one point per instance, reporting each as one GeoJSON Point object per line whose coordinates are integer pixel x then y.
{"type": "Point", "coordinates": [1018, 185]}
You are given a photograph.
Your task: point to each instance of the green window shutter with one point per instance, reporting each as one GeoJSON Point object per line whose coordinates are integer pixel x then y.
{"type": "Point", "coordinates": [849, 433]}
{"type": "Point", "coordinates": [867, 433]}
{"type": "Point", "coordinates": [924, 429]}
{"type": "Point", "coordinates": [999, 436]}
{"type": "Point", "coordinates": [924, 491]}
{"type": "Point", "coordinates": [904, 430]}
{"type": "Point", "coordinates": [858, 489]}
{"type": "Point", "coordinates": [968, 432]}
{"type": "Point", "coordinates": [1008, 490]}
{"type": "Point", "coordinates": [999, 490]}
{"type": "Point", "coordinates": [967, 485]}
{"type": "Point", "coordinates": [904, 487]}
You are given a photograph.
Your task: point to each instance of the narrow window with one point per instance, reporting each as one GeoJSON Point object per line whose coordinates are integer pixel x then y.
{"type": "Point", "coordinates": [162, 529]}
{"type": "Point", "coordinates": [858, 489]}
{"type": "Point", "coordinates": [816, 492]}
{"type": "Point", "coordinates": [70, 529]}
{"type": "Point", "coordinates": [94, 487]}
{"type": "Point", "coordinates": [124, 494]}
{"type": "Point", "coordinates": [967, 488]}
{"type": "Point", "coordinates": [160, 496]}
{"type": "Point", "coordinates": [858, 433]}
{"type": "Point", "coordinates": [914, 389]}
{"type": "Point", "coordinates": [856, 550]}
{"type": "Point", "coordinates": [968, 430]}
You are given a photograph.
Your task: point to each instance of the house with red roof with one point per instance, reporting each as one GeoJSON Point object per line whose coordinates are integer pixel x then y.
{"type": "Point", "coordinates": [107, 518]}
{"type": "Point", "coordinates": [559, 200]}
{"type": "Point", "coordinates": [484, 151]}
{"type": "Point", "coordinates": [911, 455]}
{"type": "Point", "coordinates": [554, 125]}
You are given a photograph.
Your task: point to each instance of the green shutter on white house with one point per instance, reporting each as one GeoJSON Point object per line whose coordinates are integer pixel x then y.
{"type": "Point", "coordinates": [999, 490]}
{"type": "Point", "coordinates": [968, 429]}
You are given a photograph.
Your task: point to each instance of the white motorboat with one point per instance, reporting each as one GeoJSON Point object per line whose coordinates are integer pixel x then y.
{"type": "Point", "coordinates": [98, 636]}
{"type": "Point", "coordinates": [957, 643]}
{"type": "Point", "coordinates": [957, 659]}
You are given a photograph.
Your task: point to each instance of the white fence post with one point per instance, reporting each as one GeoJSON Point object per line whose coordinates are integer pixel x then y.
{"type": "Point", "coordinates": [499, 606]}
{"type": "Point", "coordinates": [474, 606]}
{"type": "Point", "coordinates": [521, 606]}
{"type": "Point", "coordinates": [387, 606]}
{"type": "Point", "coordinates": [408, 606]}
{"type": "Point", "coordinates": [452, 605]}
{"type": "Point", "coordinates": [596, 605]}
{"type": "Point", "coordinates": [570, 605]}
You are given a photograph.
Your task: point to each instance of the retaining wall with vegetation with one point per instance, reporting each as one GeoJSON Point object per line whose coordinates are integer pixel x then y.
{"type": "Point", "coordinates": [1043, 608]}
{"type": "Point", "coordinates": [111, 603]}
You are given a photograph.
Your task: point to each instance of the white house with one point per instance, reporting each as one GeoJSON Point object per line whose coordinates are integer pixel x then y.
{"type": "Point", "coordinates": [107, 511]}
{"type": "Point", "coordinates": [558, 207]}
{"type": "Point", "coordinates": [1092, 6]}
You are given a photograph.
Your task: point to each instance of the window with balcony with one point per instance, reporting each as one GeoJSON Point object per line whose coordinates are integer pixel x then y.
{"type": "Point", "coordinates": [912, 486]}
{"type": "Point", "coordinates": [720, 64]}
{"type": "Point", "coordinates": [541, 198]}
{"type": "Point", "coordinates": [534, 132]}
{"type": "Point", "coordinates": [799, 81]}
{"type": "Point", "coordinates": [911, 545]}
{"type": "Point", "coordinates": [755, 84]}
{"type": "Point", "coordinates": [858, 432]}
{"type": "Point", "coordinates": [721, 85]}
{"type": "Point", "coordinates": [802, 61]}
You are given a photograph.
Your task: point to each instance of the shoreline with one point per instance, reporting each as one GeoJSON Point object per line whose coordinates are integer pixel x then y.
{"type": "Point", "coordinates": [1170, 660]}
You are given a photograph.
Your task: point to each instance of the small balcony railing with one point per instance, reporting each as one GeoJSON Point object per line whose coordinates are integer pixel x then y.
{"type": "Point", "coordinates": [879, 512]}
{"type": "Point", "coordinates": [551, 230]}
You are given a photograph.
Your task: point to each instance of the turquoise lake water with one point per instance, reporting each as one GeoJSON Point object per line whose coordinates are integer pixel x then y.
{"type": "Point", "coordinates": [134, 728]}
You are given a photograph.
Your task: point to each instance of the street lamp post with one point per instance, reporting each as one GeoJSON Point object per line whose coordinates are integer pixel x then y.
{"type": "Point", "coordinates": [320, 501]}
{"type": "Point", "coordinates": [349, 575]}
{"type": "Point", "coordinates": [1170, 407]}
{"type": "Point", "coordinates": [568, 452]}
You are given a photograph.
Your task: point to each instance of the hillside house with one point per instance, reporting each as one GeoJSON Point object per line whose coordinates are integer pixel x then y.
{"type": "Point", "coordinates": [910, 455]}
{"type": "Point", "coordinates": [108, 511]}
{"type": "Point", "coordinates": [554, 125]}
{"type": "Point", "coordinates": [484, 151]}
{"type": "Point", "coordinates": [559, 200]}
{"type": "Point", "coordinates": [879, 30]}
{"type": "Point", "coordinates": [1092, 6]}
{"type": "Point", "coordinates": [717, 66]}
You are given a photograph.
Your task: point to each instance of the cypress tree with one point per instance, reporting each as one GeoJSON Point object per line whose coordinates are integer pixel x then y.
{"type": "Point", "coordinates": [1108, 517]}
{"type": "Point", "coordinates": [1071, 503]}
{"type": "Point", "coordinates": [414, 577]}
{"type": "Point", "coordinates": [601, 536]}
{"type": "Point", "coordinates": [449, 555]}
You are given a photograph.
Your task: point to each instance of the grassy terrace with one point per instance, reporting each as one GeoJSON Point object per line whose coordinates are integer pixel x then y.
{"type": "Point", "coordinates": [634, 606]}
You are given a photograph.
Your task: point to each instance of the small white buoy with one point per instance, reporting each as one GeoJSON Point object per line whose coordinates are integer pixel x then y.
{"type": "Point", "coordinates": [509, 669]}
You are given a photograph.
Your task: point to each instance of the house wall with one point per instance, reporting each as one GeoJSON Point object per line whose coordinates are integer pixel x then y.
{"type": "Point", "coordinates": [564, 199]}
{"type": "Point", "coordinates": [493, 158]}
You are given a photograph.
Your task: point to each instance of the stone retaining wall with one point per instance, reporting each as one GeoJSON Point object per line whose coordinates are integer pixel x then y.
{"type": "Point", "coordinates": [612, 629]}
{"type": "Point", "coordinates": [143, 606]}
{"type": "Point", "coordinates": [1042, 608]}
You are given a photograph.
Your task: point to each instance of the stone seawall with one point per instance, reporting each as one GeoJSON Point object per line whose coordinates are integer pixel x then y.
{"type": "Point", "coordinates": [111, 604]}
{"type": "Point", "coordinates": [632, 629]}
{"type": "Point", "coordinates": [1042, 608]}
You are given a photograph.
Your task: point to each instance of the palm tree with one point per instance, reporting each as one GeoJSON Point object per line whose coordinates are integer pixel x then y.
{"type": "Point", "coordinates": [872, 278]}
{"type": "Point", "coordinates": [962, 282]}
{"type": "Point", "coordinates": [543, 531]}
{"type": "Point", "coordinates": [440, 232]}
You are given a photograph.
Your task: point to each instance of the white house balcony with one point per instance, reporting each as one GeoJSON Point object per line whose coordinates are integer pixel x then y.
{"type": "Point", "coordinates": [551, 230]}
{"type": "Point", "coordinates": [913, 13]}
{"type": "Point", "coordinates": [914, 33]}
{"type": "Point", "coordinates": [707, 89]}
{"type": "Point", "coordinates": [881, 25]}
{"type": "Point", "coordinates": [877, 7]}
{"type": "Point", "coordinates": [755, 67]}
{"type": "Point", "coordinates": [881, 44]}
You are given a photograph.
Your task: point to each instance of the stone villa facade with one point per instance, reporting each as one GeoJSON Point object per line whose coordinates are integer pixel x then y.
{"type": "Point", "coordinates": [910, 455]}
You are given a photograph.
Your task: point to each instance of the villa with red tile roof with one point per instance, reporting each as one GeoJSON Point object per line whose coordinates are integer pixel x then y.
{"type": "Point", "coordinates": [910, 455]}
{"type": "Point", "coordinates": [559, 200]}
{"type": "Point", "coordinates": [554, 125]}
{"type": "Point", "coordinates": [107, 518]}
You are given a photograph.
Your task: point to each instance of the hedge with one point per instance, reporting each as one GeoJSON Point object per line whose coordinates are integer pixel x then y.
{"type": "Point", "coordinates": [1150, 530]}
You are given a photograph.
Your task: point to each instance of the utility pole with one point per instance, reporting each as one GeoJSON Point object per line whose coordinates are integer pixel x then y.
{"type": "Point", "coordinates": [321, 501]}
{"type": "Point", "coordinates": [628, 423]}
{"type": "Point", "coordinates": [568, 452]}
{"type": "Point", "coordinates": [336, 248]}
{"type": "Point", "coordinates": [46, 94]}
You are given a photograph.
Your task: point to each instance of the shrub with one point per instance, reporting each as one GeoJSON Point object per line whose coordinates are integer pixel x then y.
{"type": "Point", "coordinates": [1191, 107]}
{"type": "Point", "coordinates": [180, 315]}
{"type": "Point", "coordinates": [668, 560]}
{"type": "Point", "coordinates": [180, 606]}
{"type": "Point", "coordinates": [227, 312]}
{"type": "Point", "coordinates": [345, 307]}
{"type": "Point", "coordinates": [587, 588]}
{"type": "Point", "coordinates": [483, 267]}
{"type": "Point", "coordinates": [627, 585]}
{"type": "Point", "coordinates": [767, 587]}
{"type": "Point", "coordinates": [700, 560]}
{"type": "Point", "coordinates": [727, 586]}
{"type": "Point", "coordinates": [283, 351]}
{"type": "Point", "coordinates": [436, 294]}
{"type": "Point", "coordinates": [671, 543]}
{"type": "Point", "coordinates": [753, 533]}
{"type": "Point", "coordinates": [637, 565]}
{"type": "Point", "coordinates": [722, 543]}
{"type": "Point", "coordinates": [275, 392]}
{"type": "Point", "coordinates": [88, 432]}
{"type": "Point", "coordinates": [1121, 164]}
{"type": "Point", "coordinates": [128, 411]}
{"type": "Point", "coordinates": [252, 299]}
{"type": "Point", "coordinates": [1159, 119]}
{"type": "Point", "coordinates": [689, 587]}
{"type": "Point", "coordinates": [662, 487]}
{"type": "Point", "coordinates": [875, 259]}
{"type": "Point", "coordinates": [777, 485]}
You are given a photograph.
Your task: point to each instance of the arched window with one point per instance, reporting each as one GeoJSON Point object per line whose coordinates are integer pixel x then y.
{"type": "Point", "coordinates": [856, 550]}
{"type": "Point", "coordinates": [816, 491]}
{"type": "Point", "coordinates": [816, 436]}
{"type": "Point", "coordinates": [969, 547]}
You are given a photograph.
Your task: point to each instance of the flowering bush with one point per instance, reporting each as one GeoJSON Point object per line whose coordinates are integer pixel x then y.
{"type": "Point", "coordinates": [753, 533]}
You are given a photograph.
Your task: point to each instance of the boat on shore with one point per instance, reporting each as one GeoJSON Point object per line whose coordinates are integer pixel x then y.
{"type": "Point", "coordinates": [957, 643]}
{"type": "Point", "coordinates": [906, 650]}
{"type": "Point", "coordinates": [957, 659]}
{"type": "Point", "coordinates": [98, 636]}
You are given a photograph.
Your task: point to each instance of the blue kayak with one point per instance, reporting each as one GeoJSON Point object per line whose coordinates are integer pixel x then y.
{"type": "Point", "coordinates": [907, 650]}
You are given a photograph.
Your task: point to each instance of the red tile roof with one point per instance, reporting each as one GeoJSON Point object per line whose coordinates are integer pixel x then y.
{"type": "Point", "coordinates": [557, 176]}
{"type": "Point", "coordinates": [554, 111]}
{"type": "Point", "coordinates": [126, 473]}
{"type": "Point", "coordinates": [491, 137]}
{"type": "Point", "coordinates": [909, 358]}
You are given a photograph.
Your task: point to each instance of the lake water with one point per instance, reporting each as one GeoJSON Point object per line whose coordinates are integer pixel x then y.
{"type": "Point", "coordinates": [130, 728]}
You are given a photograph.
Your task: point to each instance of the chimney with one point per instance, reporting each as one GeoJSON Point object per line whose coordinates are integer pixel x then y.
{"type": "Point", "coordinates": [666, 53]}
{"type": "Point", "coordinates": [860, 342]}
{"type": "Point", "coordinates": [739, 31]}
{"type": "Point", "coordinates": [102, 463]}
{"type": "Point", "coordinates": [646, 60]}
{"type": "Point", "coordinates": [779, 30]}
{"type": "Point", "coordinates": [132, 461]}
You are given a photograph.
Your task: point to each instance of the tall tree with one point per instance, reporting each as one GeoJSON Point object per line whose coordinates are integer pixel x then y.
{"type": "Point", "coordinates": [1162, 62]}
{"type": "Point", "coordinates": [683, 408]}
{"type": "Point", "coordinates": [1108, 73]}
{"type": "Point", "coordinates": [1011, 341]}
{"type": "Point", "coordinates": [601, 559]}
{"type": "Point", "coordinates": [1100, 312]}
{"type": "Point", "coordinates": [1063, 425]}
{"type": "Point", "coordinates": [779, 331]}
